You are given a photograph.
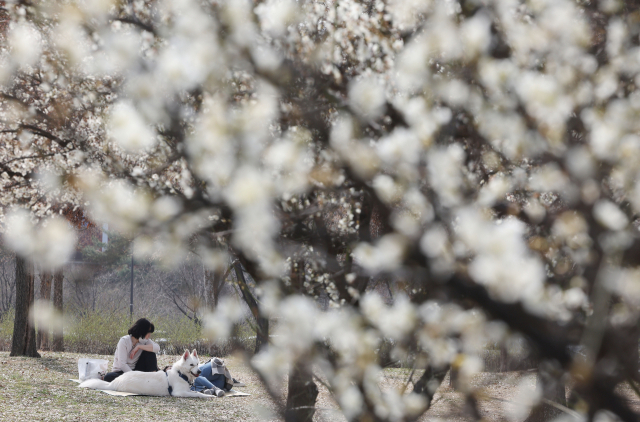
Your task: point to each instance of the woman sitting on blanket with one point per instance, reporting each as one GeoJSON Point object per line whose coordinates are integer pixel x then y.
{"type": "Point", "coordinates": [135, 352]}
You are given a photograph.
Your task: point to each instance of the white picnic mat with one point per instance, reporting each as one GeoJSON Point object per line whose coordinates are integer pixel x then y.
{"type": "Point", "coordinates": [230, 393]}
{"type": "Point", "coordinates": [111, 392]}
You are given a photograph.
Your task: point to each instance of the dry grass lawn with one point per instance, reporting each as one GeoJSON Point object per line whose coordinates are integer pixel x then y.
{"type": "Point", "coordinates": [38, 389]}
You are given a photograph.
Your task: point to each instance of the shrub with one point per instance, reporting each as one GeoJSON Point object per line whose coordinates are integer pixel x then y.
{"type": "Point", "coordinates": [6, 329]}
{"type": "Point", "coordinates": [95, 332]}
{"type": "Point", "coordinates": [178, 334]}
{"type": "Point", "coordinates": [175, 334]}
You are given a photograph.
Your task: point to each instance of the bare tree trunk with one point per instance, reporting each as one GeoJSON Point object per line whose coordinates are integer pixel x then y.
{"type": "Point", "coordinates": [430, 381]}
{"type": "Point", "coordinates": [453, 378]}
{"type": "Point", "coordinates": [214, 280]}
{"type": "Point", "coordinates": [301, 395]}
{"type": "Point", "coordinates": [262, 333]}
{"type": "Point", "coordinates": [58, 278]}
{"type": "Point", "coordinates": [7, 286]}
{"type": "Point", "coordinates": [504, 358]}
{"type": "Point", "coordinates": [262, 336]}
{"type": "Point", "coordinates": [24, 333]}
{"type": "Point", "coordinates": [45, 294]}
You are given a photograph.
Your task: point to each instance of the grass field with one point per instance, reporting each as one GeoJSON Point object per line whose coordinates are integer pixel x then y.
{"type": "Point", "coordinates": [38, 389]}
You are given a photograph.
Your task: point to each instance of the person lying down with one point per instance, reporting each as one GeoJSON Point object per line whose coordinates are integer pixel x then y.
{"type": "Point", "coordinates": [215, 379]}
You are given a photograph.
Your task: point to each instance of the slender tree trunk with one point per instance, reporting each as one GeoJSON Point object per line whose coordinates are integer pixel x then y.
{"type": "Point", "coordinates": [45, 294]}
{"type": "Point", "coordinates": [262, 333]}
{"type": "Point", "coordinates": [262, 336]}
{"type": "Point", "coordinates": [453, 378]}
{"type": "Point", "coordinates": [553, 389]}
{"type": "Point", "coordinates": [429, 382]}
{"type": "Point", "coordinates": [218, 281]}
{"type": "Point", "coordinates": [301, 395]}
{"type": "Point", "coordinates": [58, 278]}
{"type": "Point", "coordinates": [213, 285]}
{"type": "Point", "coordinates": [24, 333]}
{"type": "Point", "coordinates": [504, 359]}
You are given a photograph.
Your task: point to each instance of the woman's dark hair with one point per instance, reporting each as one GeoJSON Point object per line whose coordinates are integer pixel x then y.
{"type": "Point", "coordinates": [141, 328]}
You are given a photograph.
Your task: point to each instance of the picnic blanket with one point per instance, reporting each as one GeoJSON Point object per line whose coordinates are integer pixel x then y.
{"type": "Point", "coordinates": [230, 393]}
{"type": "Point", "coordinates": [111, 392]}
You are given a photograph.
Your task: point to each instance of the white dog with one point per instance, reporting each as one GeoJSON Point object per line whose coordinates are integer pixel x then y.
{"type": "Point", "coordinates": [174, 382]}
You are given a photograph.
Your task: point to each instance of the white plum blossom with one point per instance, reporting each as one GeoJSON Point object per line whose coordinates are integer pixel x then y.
{"type": "Point", "coordinates": [401, 147]}
{"type": "Point", "coordinates": [385, 255]}
{"type": "Point", "coordinates": [407, 13]}
{"type": "Point", "coordinates": [609, 215]}
{"type": "Point", "coordinates": [122, 49]}
{"type": "Point", "coordinates": [276, 15]}
{"type": "Point", "coordinates": [367, 97]}
{"type": "Point", "coordinates": [218, 324]}
{"type": "Point", "coordinates": [476, 34]}
{"type": "Point", "coordinates": [549, 178]}
{"type": "Point", "coordinates": [626, 283]}
{"type": "Point", "coordinates": [44, 314]}
{"type": "Point", "coordinates": [96, 8]}
{"type": "Point", "coordinates": [572, 228]}
{"type": "Point", "coordinates": [211, 147]}
{"type": "Point", "coordinates": [72, 41]}
{"type": "Point", "coordinates": [575, 298]}
{"type": "Point", "coordinates": [412, 66]}
{"type": "Point", "coordinates": [119, 204]}
{"type": "Point", "coordinates": [495, 190]}
{"type": "Point", "coordinates": [470, 366]}
{"type": "Point", "coordinates": [527, 395]}
{"type": "Point", "coordinates": [250, 188]}
{"type": "Point", "coordinates": [50, 244]}
{"type": "Point", "coordinates": [394, 322]}
{"type": "Point", "coordinates": [26, 44]}
{"type": "Point", "coordinates": [386, 188]}
{"type": "Point", "coordinates": [351, 402]}
{"type": "Point", "coordinates": [129, 129]}
{"type": "Point", "coordinates": [291, 160]}
{"type": "Point", "coordinates": [445, 174]}
{"type": "Point", "coordinates": [434, 242]}
{"type": "Point", "coordinates": [580, 163]}
{"type": "Point", "coordinates": [502, 261]}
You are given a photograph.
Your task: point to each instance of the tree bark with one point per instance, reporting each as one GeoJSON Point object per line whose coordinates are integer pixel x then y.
{"type": "Point", "coordinates": [214, 281]}
{"type": "Point", "coordinates": [262, 336]}
{"type": "Point", "coordinates": [58, 278]}
{"type": "Point", "coordinates": [24, 333]}
{"type": "Point", "coordinates": [430, 381]}
{"type": "Point", "coordinates": [262, 333]}
{"type": "Point", "coordinates": [45, 294]}
{"type": "Point", "coordinates": [504, 359]}
{"type": "Point", "coordinates": [301, 395]}
{"type": "Point", "coordinates": [453, 378]}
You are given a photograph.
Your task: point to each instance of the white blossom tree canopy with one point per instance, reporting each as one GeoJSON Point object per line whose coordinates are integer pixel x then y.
{"type": "Point", "coordinates": [479, 155]}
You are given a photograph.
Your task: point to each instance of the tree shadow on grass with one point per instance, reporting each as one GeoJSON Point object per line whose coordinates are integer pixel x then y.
{"type": "Point", "coordinates": [56, 364]}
